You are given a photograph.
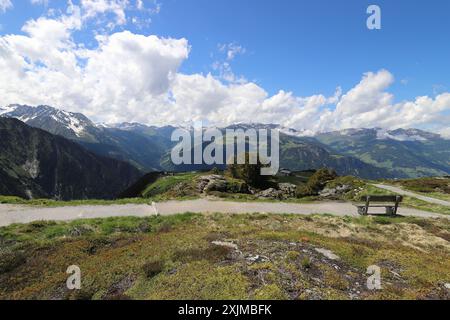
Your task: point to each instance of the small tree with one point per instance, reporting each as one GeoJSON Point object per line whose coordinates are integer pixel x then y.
{"type": "Point", "coordinates": [317, 182]}
{"type": "Point", "coordinates": [215, 171]}
{"type": "Point", "coordinates": [319, 179]}
{"type": "Point", "coordinates": [250, 173]}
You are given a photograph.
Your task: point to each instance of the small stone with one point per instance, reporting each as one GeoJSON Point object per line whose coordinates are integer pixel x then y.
{"type": "Point", "coordinates": [395, 274]}
{"type": "Point", "coordinates": [447, 286]}
{"type": "Point", "coordinates": [257, 258]}
{"type": "Point", "coordinates": [327, 253]}
{"type": "Point", "coordinates": [225, 244]}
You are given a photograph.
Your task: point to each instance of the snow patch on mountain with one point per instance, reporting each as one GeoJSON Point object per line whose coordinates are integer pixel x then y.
{"type": "Point", "coordinates": [386, 135]}
{"type": "Point", "coordinates": [74, 122]}
{"type": "Point", "coordinates": [8, 109]}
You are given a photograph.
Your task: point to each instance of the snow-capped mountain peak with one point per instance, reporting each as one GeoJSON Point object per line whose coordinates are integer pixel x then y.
{"type": "Point", "coordinates": [8, 109]}
{"type": "Point", "coordinates": [59, 120]}
{"type": "Point", "coordinates": [127, 126]}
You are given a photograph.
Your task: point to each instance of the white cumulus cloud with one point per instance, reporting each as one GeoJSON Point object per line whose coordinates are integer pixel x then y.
{"type": "Point", "coordinates": [5, 4]}
{"type": "Point", "coordinates": [92, 8]}
{"type": "Point", "coordinates": [133, 77]}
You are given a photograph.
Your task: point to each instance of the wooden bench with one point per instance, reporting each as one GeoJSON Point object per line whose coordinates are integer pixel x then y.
{"type": "Point", "coordinates": [391, 204]}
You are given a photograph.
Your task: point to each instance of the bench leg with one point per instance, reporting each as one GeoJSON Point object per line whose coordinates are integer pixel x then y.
{"type": "Point", "coordinates": [362, 211]}
{"type": "Point", "coordinates": [390, 211]}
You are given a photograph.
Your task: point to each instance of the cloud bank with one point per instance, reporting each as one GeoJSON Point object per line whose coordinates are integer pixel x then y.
{"type": "Point", "coordinates": [5, 5]}
{"type": "Point", "coordinates": [133, 77]}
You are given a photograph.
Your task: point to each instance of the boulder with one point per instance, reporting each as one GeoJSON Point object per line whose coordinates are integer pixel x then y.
{"type": "Point", "coordinates": [210, 182]}
{"type": "Point", "coordinates": [288, 189]}
{"type": "Point", "coordinates": [270, 193]}
{"type": "Point", "coordinates": [221, 184]}
{"type": "Point", "coordinates": [285, 191]}
{"type": "Point", "coordinates": [339, 190]}
{"type": "Point", "coordinates": [216, 185]}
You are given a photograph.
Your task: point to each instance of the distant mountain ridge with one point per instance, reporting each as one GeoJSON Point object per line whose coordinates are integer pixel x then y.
{"type": "Point", "coordinates": [408, 152]}
{"type": "Point", "coordinates": [67, 124]}
{"type": "Point", "coordinates": [368, 153]}
{"type": "Point", "coordinates": [37, 164]}
{"type": "Point", "coordinates": [383, 134]}
{"type": "Point", "coordinates": [125, 145]}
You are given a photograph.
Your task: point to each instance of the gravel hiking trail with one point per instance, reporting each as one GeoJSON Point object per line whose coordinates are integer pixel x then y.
{"type": "Point", "coordinates": [413, 195]}
{"type": "Point", "coordinates": [10, 214]}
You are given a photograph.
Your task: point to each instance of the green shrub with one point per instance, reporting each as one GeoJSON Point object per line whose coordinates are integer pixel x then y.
{"type": "Point", "coordinates": [306, 263]}
{"type": "Point", "coordinates": [292, 255]}
{"type": "Point", "coordinates": [212, 253]}
{"type": "Point", "coordinates": [319, 179]}
{"type": "Point", "coordinates": [305, 191]}
{"type": "Point", "coordinates": [153, 268]}
{"type": "Point", "coordinates": [250, 173]}
{"type": "Point", "coordinates": [347, 180]}
{"type": "Point", "coordinates": [316, 182]}
{"type": "Point", "coordinates": [10, 260]}
{"type": "Point", "coordinates": [165, 227]}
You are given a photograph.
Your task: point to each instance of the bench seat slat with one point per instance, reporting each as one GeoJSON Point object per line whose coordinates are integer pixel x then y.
{"type": "Point", "coordinates": [377, 205]}
{"type": "Point", "coordinates": [382, 198]}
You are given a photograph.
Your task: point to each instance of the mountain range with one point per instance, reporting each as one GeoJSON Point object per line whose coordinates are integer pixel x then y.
{"type": "Point", "coordinates": [407, 153]}
{"type": "Point", "coordinates": [38, 164]}
{"type": "Point", "coordinates": [368, 153]}
{"type": "Point", "coordinates": [139, 145]}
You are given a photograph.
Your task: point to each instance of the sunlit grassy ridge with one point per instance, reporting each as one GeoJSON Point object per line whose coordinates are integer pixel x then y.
{"type": "Point", "coordinates": [276, 258]}
{"type": "Point", "coordinates": [56, 203]}
{"type": "Point", "coordinates": [183, 186]}
{"type": "Point", "coordinates": [166, 184]}
{"type": "Point", "coordinates": [432, 187]}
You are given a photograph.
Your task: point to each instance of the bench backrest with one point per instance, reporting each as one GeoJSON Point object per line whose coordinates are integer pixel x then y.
{"type": "Point", "coordinates": [394, 199]}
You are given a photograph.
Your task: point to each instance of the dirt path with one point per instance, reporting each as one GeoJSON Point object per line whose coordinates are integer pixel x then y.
{"type": "Point", "coordinates": [10, 214]}
{"type": "Point", "coordinates": [412, 194]}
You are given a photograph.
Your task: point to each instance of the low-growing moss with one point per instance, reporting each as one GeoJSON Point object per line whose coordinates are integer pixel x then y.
{"type": "Point", "coordinates": [292, 255]}
{"type": "Point", "coordinates": [153, 268]}
{"type": "Point", "coordinates": [58, 203]}
{"type": "Point", "coordinates": [306, 263]}
{"type": "Point", "coordinates": [129, 258]}
{"type": "Point", "coordinates": [197, 281]}
{"type": "Point", "coordinates": [270, 292]}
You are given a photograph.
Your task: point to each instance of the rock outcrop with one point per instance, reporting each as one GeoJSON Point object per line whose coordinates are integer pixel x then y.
{"type": "Point", "coordinates": [218, 183]}
{"type": "Point", "coordinates": [284, 191]}
{"type": "Point", "coordinates": [333, 192]}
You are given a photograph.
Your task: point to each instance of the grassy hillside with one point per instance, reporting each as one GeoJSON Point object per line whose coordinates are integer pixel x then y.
{"type": "Point", "coordinates": [227, 257]}
{"type": "Point", "coordinates": [404, 159]}
{"type": "Point", "coordinates": [54, 203]}
{"type": "Point", "coordinates": [183, 186]}
{"type": "Point", "coordinates": [432, 187]}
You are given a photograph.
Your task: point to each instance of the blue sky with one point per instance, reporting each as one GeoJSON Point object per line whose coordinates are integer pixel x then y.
{"type": "Point", "coordinates": [314, 46]}
{"type": "Point", "coordinates": [306, 48]}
